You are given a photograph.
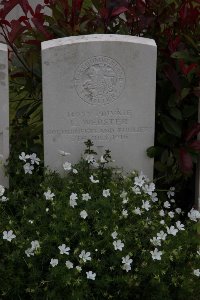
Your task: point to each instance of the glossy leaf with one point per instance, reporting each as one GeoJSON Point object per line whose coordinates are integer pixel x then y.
{"type": "Point", "coordinates": [171, 126]}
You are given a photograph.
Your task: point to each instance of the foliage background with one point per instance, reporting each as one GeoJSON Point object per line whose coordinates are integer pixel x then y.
{"type": "Point", "coordinates": [174, 25]}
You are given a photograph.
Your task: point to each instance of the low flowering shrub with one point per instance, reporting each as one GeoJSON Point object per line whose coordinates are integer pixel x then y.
{"type": "Point", "coordinates": [94, 234]}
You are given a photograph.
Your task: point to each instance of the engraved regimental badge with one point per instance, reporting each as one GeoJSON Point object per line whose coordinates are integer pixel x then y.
{"type": "Point", "coordinates": [99, 80]}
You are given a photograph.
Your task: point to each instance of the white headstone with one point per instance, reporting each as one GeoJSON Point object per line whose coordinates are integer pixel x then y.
{"type": "Point", "coordinates": [99, 87]}
{"type": "Point", "coordinates": [4, 112]}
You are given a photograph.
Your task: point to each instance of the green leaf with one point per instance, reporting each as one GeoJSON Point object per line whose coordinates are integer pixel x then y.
{"type": "Point", "coordinates": [184, 92]}
{"type": "Point", "coordinates": [154, 151]}
{"type": "Point", "coordinates": [171, 126]}
{"type": "Point", "coordinates": [176, 113]}
{"type": "Point", "coordinates": [189, 110]}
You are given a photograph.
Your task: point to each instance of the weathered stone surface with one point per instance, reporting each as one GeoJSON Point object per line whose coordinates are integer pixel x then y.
{"type": "Point", "coordinates": [100, 87]}
{"type": "Point", "coordinates": [4, 112]}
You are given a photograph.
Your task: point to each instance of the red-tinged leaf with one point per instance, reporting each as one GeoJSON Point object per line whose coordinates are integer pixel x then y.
{"type": "Point", "coordinates": [17, 74]}
{"type": "Point", "coordinates": [141, 6]}
{"type": "Point", "coordinates": [76, 9]}
{"type": "Point", "coordinates": [5, 22]}
{"type": "Point", "coordinates": [145, 21]}
{"type": "Point", "coordinates": [16, 31]}
{"type": "Point", "coordinates": [186, 69]}
{"type": "Point", "coordinates": [26, 7]}
{"type": "Point", "coordinates": [173, 44]}
{"type": "Point", "coordinates": [22, 19]}
{"type": "Point", "coordinates": [33, 42]}
{"type": "Point", "coordinates": [118, 11]}
{"type": "Point", "coordinates": [38, 9]}
{"type": "Point", "coordinates": [183, 11]}
{"type": "Point", "coordinates": [104, 13]}
{"type": "Point", "coordinates": [7, 7]}
{"type": "Point", "coordinates": [172, 75]}
{"type": "Point", "coordinates": [192, 132]}
{"type": "Point", "coordinates": [188, 14]}
{"type": "Point", "coordinates": [196, 91]}
{"type": "Point", "coordinates": [195, 145]}
{"type": "Point", "coordinates": [38, 22]}
{"type": "Point", "coordinates": [185, 161]}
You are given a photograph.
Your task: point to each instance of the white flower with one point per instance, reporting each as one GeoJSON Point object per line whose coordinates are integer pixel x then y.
{"type": "Point", "coordinates": [90, 158]}
{"type": "Point", "coordinates": [2, 190]}
{"type": "Point", "coordinates": [125, 213]}
{"type": "Point", "coordinates": [93, 180]}
{"type": "Point", "coordinates": [30, 221]}
{"type": "Point", "coordinates": [83, 214]}
{"type": "Point", "coordinates": [179, 225]}
{"type": "Point", "coordinates": [34, 159]}
{"type": "Point", "coordinates": [118, 245]}
{"type": "Point", "coordinates": [67, 166]}
{"type": "Point", "coordinates": [63, 153]}
{"type": "Point", "coordinates": [35, 245]}
{"type": "Point", "coordinates": [63, 249]}
{"type": "Point", "coordinates": [137, 211]}
{"type": "Point", "coordinates": [86, 197]}
{"type": "Point", "coordinates": [178, 210]}
{"type": "Point", "coordinates": [85, 255]}
{"type": "Point", "coordinates": [69, 264]}
{"type": "Point", "coordinates": [3, 199]}
{"type": "Point", "coordinates": [126, 267]}
{"type": "Point", "coordinates": [125, 200]}
{"type": "Point", "coordinates": [155, 241]}
{"type": "Point", "coordinates": [136, 190]}
{"type": "Point", "coordinates": [123, 194]}
{"type": "Point", "coordinates": [106, 193]}
{"type": "Point", "coordinates": [162, 222]}
{"type": "Point", "coordinates": [167, 204]}
{"type": "Point", "coordinates": [161, 213]}
{"type": "Point", "coordinates": [24, 156]}
{"type": "Point", "coordinates": [161, 235]}
{"type": "Point", "coordinates": [149, 188]}
{"type": "Point", "coordinates": [194, 215]}
{"type": "Point", "coordinates": [114, 235]}
{"type": "Point", "coordinates": [171, 192]}
{"type": "Point", "coordinates": [196, 272]}
{"type": "Point", "coordinates": [102, 160]}
{"type": "Point", "coordinates": [74, 171]}
{"type": "Point", "coordinates": [127, 260]}
{"type": "Point", "coordinates": [8, 235]}
{"type": "Point", "coordinates": [54, 262]}
{"type": "Point", "coordinates": [172, 230]}
{"type": "Point", "coordinates": [91, 275]}
{"type": "Point", "coordinates": [29, 252]}
{"type": "Point", "coordinates": [78, 268]}
{"type": "Point", "coordinates": [154, 197]}
{"type": "Point", "coordinates": [146, 205]}
{"type": "Point", "coordinates": [171, 214]}
{"type": "Point", "coordinates": [139, 180]}
{"type": "Point", "coordinates": [172, 200]}
{"type": "Point", "coordinates": [49, 195]}
{"type": "Point", "coordinates": [28, 168]}
{"type": "Point", "coordinates": [156, 255]}
{"type": "Point", "coordinates": [73, 198]}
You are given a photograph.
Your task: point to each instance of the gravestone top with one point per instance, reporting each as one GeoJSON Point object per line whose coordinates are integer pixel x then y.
{"type": "Point", "coordinates": [4, 112]}
{"type": "Point", "coordinates": [98, 38]}
{"type": "Point", "coordinates": [102, 88]}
